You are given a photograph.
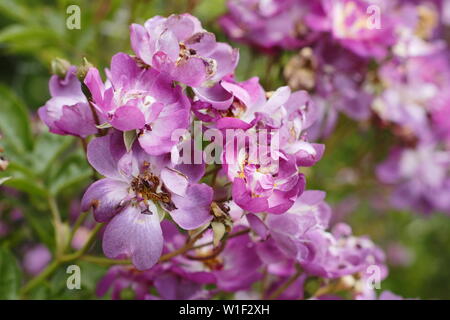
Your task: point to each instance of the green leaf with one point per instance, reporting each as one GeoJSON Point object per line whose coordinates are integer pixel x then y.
{"type": "Point", "coordinates": [208, 10]}
{"type": "Point", "coordinates": [19, 34]}
{"type": "Point", "coordinates": [73, 170]}
{"type": "Point", "coordinates": [2, 180]}
{"type": "Point", "coordinates": [128, 138]}
{"type": "Point", "coordinates": [105, 125]}
{"type": "Point", "coordinates": [26, 185]}
{"type": "Point", "coordinates": [218, 232]}
{"type": "Point", "coordinates": [14, 10]}
{"type": "Point", "coordinates": [47, 148]}
{"type": "Point", "coordinates": [41, 225]}
{"type": "Point", "coordinates": [14, 122]}
{"type": "Point", "coordinates": [10, 275]}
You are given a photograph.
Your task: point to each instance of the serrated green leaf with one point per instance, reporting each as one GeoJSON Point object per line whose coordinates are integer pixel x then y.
{"type": "Point", "coordinates": [10, 275]}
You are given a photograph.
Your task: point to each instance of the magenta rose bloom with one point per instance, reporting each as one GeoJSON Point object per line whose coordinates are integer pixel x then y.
{"type": "Point", "coordinates": [67, 111]}
{"type": "Point", "coordinates": [179, 47]}
{"type": "Point", "coordinates": [300, 235]}
{"type": "Point", "coordinates": [244, 106]}
{"type": "Point", "coordinates": [413, 89]}
{"type": "Point", "coordinates": [272, 187]}
{"type": "Point", "coordinates": [140, 99]}
{"type": "Point", "coordinates": [420, 177]}
{"type": "Point", "coordinates": [355, 27]}
{"type": "Point", "coordinates": [268, 25]}
{"type": "Point", "coordinates": [133, 197]}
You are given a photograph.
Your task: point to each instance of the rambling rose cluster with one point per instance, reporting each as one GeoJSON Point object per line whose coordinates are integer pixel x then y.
{"type": "Point", "coordinates": [384, 61]}
{"type": "Point", "coordinates": [187, 225]}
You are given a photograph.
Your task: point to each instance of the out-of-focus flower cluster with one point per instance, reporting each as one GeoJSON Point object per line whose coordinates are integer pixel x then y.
{"type": "Point", "coordinates": [381, 60]}
{"type": "Point", "coordinates": [193, 228]}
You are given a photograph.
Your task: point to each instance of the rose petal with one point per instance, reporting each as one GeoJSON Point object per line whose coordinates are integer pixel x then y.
{"type": "Point", "coordinates": [136, 235]}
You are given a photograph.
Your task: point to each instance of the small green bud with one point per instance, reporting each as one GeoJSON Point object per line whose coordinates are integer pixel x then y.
{"type": "Point", "coordinates": [60, 67]}
{"type": "Point", "coordinates": [83, 69]}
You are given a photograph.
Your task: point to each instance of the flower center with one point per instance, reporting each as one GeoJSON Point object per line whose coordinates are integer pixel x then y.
{"type": "Point", "coordinates": [146, 187]}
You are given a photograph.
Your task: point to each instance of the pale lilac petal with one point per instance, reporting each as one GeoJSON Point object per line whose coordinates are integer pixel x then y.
{"type": "Point", "coordinates": [193, 210]}
{"type": "Point", "coordinates": [140, 42]}
{"type": "Point", "coordinates": [192, 72]}
{"type": "Point", "coordinates": [158, 140]}
{"type": "Point", "coordinates": [103, 153]}
{"type": "Point", "coordinates": [123, 68]}
{"type": "Point", "coordinates": [136, 235]}
{"type": "Point", "coordinates": [48, 120]}
{"type": "Point", "coordinates": [226, 58]}
{"type": "Point", "coordinates": [95, 85]}
{"type": "Point", "coordinates": [104, 197]}
{"type": "Point", "coordinates": [244, 199]}
{"type": "Point", "coordinates": [77, 120]}
{"type": "Point", "coordinates": [257, 225]}
{"type": "Point", "coordinates": [232, 123]}
{"type": "Point", "coordinates": [219, 98]}
{"type": "Point", "coordinates": [68, 87]}
{"type": "Point", "coordinates": [128, 118]}
{"type": "Point", "coordinates": [202, 42]}
{"type": "Point", "coordinates": [175, 181]}
{"type": "Point", "coordinates": [183, 25]}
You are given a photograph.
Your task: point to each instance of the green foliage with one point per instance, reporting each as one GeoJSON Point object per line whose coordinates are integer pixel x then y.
{"type": "Point", "coordinates": [10, 276]}
{"type": "Point", "coordinates": [14, 122]}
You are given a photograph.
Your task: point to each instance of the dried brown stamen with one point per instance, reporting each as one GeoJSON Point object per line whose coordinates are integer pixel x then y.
{"type": "Point", "coordinates": [146, 186]}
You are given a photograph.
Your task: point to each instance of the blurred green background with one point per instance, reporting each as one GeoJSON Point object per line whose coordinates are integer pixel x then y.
{"type": "Point", "coordinates": [45, 167]}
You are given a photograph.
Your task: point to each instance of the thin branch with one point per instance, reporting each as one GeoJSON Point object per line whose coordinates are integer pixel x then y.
{"type": "Point", "coordinates": [287, 284]}
{"type": "Point", "coordinates": [81, 218]}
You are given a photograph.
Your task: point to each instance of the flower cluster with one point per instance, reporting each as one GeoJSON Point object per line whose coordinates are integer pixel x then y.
{"type": "Point", "coordinates": [295, 245]}
{"type": "Point", "coordinates": [183, 222]}
{"type": "Point", "coordinates": [384, 61]}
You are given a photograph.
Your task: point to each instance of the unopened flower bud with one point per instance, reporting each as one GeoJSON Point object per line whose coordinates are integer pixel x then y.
{"type": "Point", "coordinates": [60, 67]}
{"type": "Point", "coordinates": [83, 69]}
